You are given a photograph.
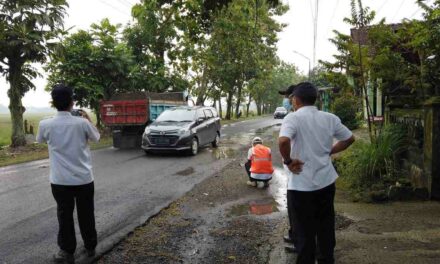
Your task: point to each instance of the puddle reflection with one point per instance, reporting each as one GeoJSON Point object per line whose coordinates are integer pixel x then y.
{"type": "Point", "coordinates": [263, 207]}
{"type": "Point", "coordinates": [278, 188]}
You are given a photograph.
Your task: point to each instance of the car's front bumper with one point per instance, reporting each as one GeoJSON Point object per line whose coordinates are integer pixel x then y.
{"type": "Point", "coordinates": [279, 115]}
{"type": "Point", "coordinates": [166, 148]}
{"type": "Point", "coordinates": [182, 143]}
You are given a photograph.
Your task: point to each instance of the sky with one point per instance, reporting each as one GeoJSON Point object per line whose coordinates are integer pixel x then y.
{"type": "Point", "coordinates": [296, 37]}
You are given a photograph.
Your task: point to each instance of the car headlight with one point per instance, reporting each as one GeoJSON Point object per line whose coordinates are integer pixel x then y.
{"type": "Point", "coordinates": [147, 130]}
{"type": "Point", "coordinates": [184, 131]}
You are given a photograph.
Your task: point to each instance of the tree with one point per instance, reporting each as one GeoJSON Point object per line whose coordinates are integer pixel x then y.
{"type": "Point", "coordinates": [158, 38]}
{"type": "Point", "coordinates": [265, 89]}
{"type": "Point", "coordinates": [28, 32]}
{"type": "Point", "coordinates": [425, 40]}
{"type": "Point", "coordinates": [241, 47]}
{"type": "Point", "coordinates": [97, 64]}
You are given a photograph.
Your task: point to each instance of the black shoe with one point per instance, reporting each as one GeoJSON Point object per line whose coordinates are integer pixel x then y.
{"type": "Point", "coordinates": [90, 252]}
{"type": "Point", "coordinates": [291, 249]}
{"type": "Point", "coordinates": [63, 257]}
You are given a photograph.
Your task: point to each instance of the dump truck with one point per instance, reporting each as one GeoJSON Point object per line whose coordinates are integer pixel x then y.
{"type": "Point", "coordinates": [127, 114]}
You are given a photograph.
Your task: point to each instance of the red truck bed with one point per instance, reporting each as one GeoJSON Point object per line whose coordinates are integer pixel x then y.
{"type": "Point", "coordinates": [124, 112]}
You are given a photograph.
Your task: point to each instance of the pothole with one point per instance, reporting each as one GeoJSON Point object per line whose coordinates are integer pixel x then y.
{"type": "Point", "coordinates": [185, 172]}
{"type": "Point", "coordinates": [342, 222]}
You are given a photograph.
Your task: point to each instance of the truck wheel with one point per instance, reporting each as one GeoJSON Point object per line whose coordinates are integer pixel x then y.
{"type": "Point", "coordinates": [216, 141]}
{"type": "Point", "coordinates": [194, 147]}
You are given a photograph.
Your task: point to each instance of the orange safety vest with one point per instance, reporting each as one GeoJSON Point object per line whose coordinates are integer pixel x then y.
{"type": "Point", "coordinates": [261, 160]}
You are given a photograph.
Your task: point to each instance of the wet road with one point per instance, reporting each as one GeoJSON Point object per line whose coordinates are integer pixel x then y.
{"type": "Point", "coordinates": [129, 188]}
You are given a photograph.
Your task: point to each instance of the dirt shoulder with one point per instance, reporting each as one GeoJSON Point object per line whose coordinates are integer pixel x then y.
{"type": "Point", "coordinates": [211, 224]}
{"type": "Point", "coordinates": [222, 220]}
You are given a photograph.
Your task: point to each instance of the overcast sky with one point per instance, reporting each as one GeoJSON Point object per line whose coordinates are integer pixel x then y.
{"type": "Point", "coordinates": [297, 36]}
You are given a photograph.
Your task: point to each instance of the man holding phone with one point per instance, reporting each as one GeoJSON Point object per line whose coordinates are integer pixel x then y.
{"type": "Point", "coordinates": [71, 175]}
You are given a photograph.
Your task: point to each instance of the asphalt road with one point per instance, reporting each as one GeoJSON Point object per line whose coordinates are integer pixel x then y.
{"type": "Point", "coordinates": [129, 188]}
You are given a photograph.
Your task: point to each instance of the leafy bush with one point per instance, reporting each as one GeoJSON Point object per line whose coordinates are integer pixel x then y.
{"type": "Point", "coordinates": [373, 166]}
{"type": "Point", "coordinates": [346, 108]}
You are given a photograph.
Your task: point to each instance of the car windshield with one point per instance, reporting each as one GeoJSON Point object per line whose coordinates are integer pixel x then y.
{"type": "Point", "coordinates": [280, 109]}
{"type": "Point", "coordinates": [177, 115]}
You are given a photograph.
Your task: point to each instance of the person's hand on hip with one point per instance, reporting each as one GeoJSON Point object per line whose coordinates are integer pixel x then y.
{"type": "Point", "coordinates": [296, 166]}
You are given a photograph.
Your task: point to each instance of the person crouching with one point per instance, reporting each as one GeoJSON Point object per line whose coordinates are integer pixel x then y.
{"type": "Point", "coordinates": [259, 165]}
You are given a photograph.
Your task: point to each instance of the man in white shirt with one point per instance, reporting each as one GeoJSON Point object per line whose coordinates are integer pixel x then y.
{"type": "Point", "coordinates": [71, 175]}
{"type": "Point", "coordinates": [306, 144]}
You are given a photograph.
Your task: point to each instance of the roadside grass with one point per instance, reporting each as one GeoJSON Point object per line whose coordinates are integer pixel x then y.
{"type": "Point", "coordinates": [6, 125]}
{"type": "Point", "coordinates": [32, 152]}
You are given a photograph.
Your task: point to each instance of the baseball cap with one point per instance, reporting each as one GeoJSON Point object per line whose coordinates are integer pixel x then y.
{"type": "Point", "coordinates": [257, 140]}
{"type": "Point", "coordinates": [305, 90]}
{"type": "Point", "coordinates": [288, 91]}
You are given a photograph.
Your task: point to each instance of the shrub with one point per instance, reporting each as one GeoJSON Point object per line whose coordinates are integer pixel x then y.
{"type": "Point", "coordinates": [346, 108]}
{"type": "Point", "coordinates": [373, 166]}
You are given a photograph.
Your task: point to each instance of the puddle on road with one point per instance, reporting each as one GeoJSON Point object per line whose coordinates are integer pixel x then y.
{"type": "Point", "coordinates": [278, 188]}
{"type": "Point", "coordinates": [224, 153]}
{"type": "Point", "coordinates": [263, 207]}
{"type": "Point", "coordinates": [257, 207]}
{"type": "Point", "coordinates": [185, 172]}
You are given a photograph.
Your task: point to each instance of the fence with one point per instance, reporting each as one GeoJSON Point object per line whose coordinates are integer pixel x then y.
{"type": "Point", "coordinates": [421, 160]}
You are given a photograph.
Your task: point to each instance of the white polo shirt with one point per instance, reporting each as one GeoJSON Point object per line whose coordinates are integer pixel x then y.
{"type": "Point", "coordinates": [312, 133]}
{"type": "Point", "coordinates": [67, 138]}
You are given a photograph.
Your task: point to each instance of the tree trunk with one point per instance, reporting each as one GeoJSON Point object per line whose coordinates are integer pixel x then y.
{"type": "Point", "coordinates": [220, 109]}
{"type": "Point", "coordinates": [98, 117]}
{"type": "Point", "coordinates": [237, 107]}
{"type": "Point", "coordinates": [248, 105]}
{"type": "Point", "coordinates": [258, 107]}
{"type": "Point", "coordinates": [16, 109]}
{"type": "Point", "coordinates": [201, 97]}
{"type": "Point", "coordinates": [229, 105]}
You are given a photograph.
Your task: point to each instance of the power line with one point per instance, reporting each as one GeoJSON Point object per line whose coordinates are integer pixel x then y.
{"type": "Point", "coordinates": [398, 9]}
{"type": "Point", "coordinates": [380, 8]}
{"type": "Point", "coordinates": [415, 13]}
{"type": "Point", "coordinates": [333, 16]}
{"type": "Point", "coordinates": [113, 7]}
{"type": "Point", "coordinates": [125, 3]}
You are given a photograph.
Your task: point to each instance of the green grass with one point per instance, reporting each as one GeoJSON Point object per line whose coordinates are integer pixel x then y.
{"type": "Point", "coordinates": [6, 125]}
{"type": "Point", "coordinates": [33, 119]}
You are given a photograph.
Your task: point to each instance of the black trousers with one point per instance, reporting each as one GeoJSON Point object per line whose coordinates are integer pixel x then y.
{"type": "Point", "coordinates": [315, 225]}
{"type": "Point", "coordinates": [293, 225]}
{"type": "Point", "coordinates": [66, 198]}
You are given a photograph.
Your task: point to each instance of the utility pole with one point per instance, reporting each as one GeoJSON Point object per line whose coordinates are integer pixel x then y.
{"type": "Point", "coordinates": [315, 31]}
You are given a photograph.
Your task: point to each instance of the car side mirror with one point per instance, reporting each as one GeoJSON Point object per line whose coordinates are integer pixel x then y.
{"type": "Point", "coordinates": [200, 120]}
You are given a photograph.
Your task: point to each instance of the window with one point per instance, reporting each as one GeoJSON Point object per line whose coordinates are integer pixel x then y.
{"type": "Point", "coordinates": [214, 112]}
{"type": "Point", "coordinates": [208, 113]}
{"type": "Point", "coordinates": [176, 115]}
{"type": "Point", "coordinates": [201, 114]}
